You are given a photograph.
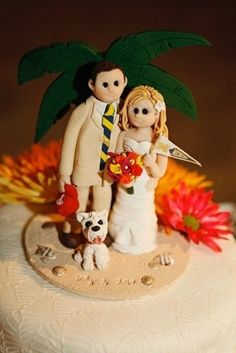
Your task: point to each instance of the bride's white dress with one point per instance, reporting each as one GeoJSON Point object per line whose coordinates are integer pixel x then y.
{"type": "Point", "coordinates": [133, 221]}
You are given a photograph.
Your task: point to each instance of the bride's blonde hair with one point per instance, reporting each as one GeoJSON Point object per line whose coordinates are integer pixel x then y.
{"type": "Point", "coordinates": [145, 92]}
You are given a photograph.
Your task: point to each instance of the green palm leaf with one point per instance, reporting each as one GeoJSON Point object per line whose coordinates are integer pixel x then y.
{"type": "Point", "coordinates": [143, 47]}
{"type": "Point", "coordinates": [175, 93]}
{"type": "Point", "coordinates": [58, 97]}
{"type": "Point", "coordinates": [55, 58]}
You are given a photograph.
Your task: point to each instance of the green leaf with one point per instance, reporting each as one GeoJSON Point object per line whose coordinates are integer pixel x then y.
{"type": "Point", "coordinates": [57, 98]}
{"type": "Point", "coordinates": [130, 190]}
{"type": "Point", "coordinates": [55, 58]}
{"type": "Point", "coordinates": [175, 93]}
{"type": "Point", "coordinates": [143, 47]}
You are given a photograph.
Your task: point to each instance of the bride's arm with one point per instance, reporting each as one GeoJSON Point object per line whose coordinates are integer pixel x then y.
{"type": "Point", "coordinates": [156, 165]}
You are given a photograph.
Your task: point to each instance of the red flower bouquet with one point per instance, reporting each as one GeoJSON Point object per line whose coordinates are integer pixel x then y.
{"type": "Point", "coordinates": [124, 167]}
{"type": "Point", "coordinates": [194, 213]}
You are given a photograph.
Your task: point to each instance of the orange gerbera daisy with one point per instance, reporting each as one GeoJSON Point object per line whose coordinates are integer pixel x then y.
{"type": "Point", "coordinates": [31, 176]}
{"type": "Point", "coordinates": [175, 174]}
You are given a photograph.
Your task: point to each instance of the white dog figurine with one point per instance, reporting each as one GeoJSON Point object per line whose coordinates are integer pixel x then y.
{"type": "Point", "coordinates": [94, 227]}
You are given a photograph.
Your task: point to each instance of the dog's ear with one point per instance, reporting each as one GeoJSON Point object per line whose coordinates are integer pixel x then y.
{"type": "Point", "coordinates": [104, 213]}
{"type": "Point", "coordinates": [80, 216]}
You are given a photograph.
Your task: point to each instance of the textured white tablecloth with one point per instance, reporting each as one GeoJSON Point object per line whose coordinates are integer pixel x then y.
{"type": "Point", "coordinates": [195, 315]}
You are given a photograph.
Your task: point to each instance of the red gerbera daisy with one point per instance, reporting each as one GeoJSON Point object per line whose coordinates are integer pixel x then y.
{"type": "Point", "coordinates": [194, 213]}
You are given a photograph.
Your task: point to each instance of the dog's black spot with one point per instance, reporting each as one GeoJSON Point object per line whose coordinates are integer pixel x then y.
{"type": "Point", "coordinates": [88, 224]}
{"type": "Point", "coordinates": [95, 228]}
{"type": "Point", "coordinates": [100, 222]}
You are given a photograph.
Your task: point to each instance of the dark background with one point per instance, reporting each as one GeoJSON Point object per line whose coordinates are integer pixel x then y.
{"type": "Point", "coordinates": [208, 71]}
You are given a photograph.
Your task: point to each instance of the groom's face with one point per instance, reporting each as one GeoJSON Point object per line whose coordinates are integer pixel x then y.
{"type": "Point", "coordinates": [108, 85]}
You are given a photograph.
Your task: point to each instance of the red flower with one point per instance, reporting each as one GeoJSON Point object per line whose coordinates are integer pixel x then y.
{"type": "Point", "coordinates": [126, 179]}
{"type": "Point", "coordinates": [136, 170]}
{"type": "Point", "coordinates": [193, 213]}
{"type": "Point", "coordinates": [132, 156]}
{"type": "Point", "coordinates": [124, 167]}
{"type": "Point", "coordinates": [68, 202]}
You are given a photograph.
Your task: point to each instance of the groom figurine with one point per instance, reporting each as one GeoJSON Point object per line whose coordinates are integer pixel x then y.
{"type": "Point", "coordinates": [92, 132]}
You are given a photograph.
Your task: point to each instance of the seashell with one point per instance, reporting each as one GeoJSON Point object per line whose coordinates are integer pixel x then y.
{"type": "Point", "coordinates": [58, 271]}
{"type": "Point", "coordinates": [148, 280]}
{"type": "Point", "coordinates": [164, 259]}
{"type": "Point", "coordinates": [154, 265]}
{"type": "Point", "coordinates": [46, 253]}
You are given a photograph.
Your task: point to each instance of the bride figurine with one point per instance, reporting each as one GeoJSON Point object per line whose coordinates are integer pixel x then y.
{"type": "Point", "coordinates": [133, 221]}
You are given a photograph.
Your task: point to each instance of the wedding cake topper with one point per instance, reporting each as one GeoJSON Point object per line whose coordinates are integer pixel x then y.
{"type": "Point", "coordinates": [95, 82]}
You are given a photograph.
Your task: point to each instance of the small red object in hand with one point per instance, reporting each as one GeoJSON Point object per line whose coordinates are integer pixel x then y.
{"type": "Point", "coordinates": [68, 203]}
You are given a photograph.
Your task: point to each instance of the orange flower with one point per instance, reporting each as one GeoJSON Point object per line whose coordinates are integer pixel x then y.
{"type": "Point", "coordinates": [175, 174]}
{"type": "Point", "coordinates": [31, 176]}
{"type": "Point", "coordinates": [126, 179]}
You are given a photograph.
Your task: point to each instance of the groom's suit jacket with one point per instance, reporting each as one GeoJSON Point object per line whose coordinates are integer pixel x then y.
{"type": "Point", "coordinates": [82, 143]}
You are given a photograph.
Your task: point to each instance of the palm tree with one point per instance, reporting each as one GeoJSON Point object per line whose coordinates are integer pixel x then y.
{"type": "Point", "coordinates": [74, 61]}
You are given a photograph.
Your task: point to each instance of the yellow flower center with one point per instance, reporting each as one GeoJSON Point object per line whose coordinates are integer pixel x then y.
{"type": "Point", "coordinates": [191, 222]}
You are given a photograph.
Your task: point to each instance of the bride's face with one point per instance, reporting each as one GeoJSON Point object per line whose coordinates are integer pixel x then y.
{"type": "Point", "coordinates": [142, 114]}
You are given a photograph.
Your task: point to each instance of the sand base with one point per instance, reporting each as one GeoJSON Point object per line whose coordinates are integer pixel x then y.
{"type": "Point", "coordinates": [127, 276]}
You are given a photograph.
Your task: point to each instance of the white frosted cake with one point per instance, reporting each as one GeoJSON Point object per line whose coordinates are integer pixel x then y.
{"type": "Point", "coordinates": [64, 288]}
{"type": "Point", "coordinates": [196, 314]}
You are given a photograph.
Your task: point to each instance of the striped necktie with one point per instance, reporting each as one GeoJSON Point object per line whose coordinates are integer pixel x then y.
{"type": "Point", "coordinates": [107, 124]}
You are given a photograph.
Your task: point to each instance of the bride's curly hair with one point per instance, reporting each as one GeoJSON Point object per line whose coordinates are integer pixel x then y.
{"type": "Point", "coordinates": [137, 94]}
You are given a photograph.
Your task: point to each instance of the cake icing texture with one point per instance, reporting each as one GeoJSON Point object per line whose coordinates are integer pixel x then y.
{"type": "Point", "coordinates": [197, 314]}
